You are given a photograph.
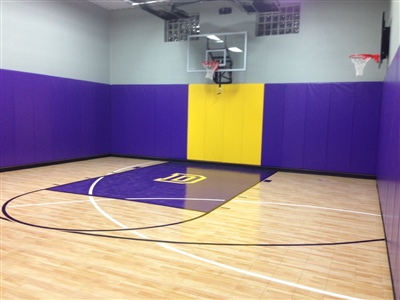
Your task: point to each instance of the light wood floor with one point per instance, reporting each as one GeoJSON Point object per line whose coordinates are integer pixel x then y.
{"type": "Point", "coordinates": [296, 211]}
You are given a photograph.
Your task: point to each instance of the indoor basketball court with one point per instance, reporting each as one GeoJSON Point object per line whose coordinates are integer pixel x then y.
{"type": "Point", "coordinates": [198, 149]}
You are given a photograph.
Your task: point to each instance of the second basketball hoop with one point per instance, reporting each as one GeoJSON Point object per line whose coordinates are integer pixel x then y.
{"type": "Point", "coordinates": [360, 61]}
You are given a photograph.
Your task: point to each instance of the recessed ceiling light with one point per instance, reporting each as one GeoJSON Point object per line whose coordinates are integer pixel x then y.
{"type": "Point", "coordinates": [213, 37]}
{"type": "Point", "coordinates": [235, 49]}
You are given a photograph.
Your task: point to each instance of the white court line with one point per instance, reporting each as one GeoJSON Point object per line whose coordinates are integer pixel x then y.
{"type": "Point", "coordinates": [307, 206]}
{"type": "Point", "coordinates": [211, 262]}
{"type": "Point", "coordinates": [101, 200]}
{"type": "Point", "coordinates": [145, 164]}
{"type": "Point", "coordinates": [56, 203]}
{"type": "Point", "coordinates": [190, 199]}
{"type": "Point", "coordinates": [79, 201]}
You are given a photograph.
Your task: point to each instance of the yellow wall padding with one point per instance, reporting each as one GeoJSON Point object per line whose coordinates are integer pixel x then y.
{"type": "Point", "coordinates": [225, 127]}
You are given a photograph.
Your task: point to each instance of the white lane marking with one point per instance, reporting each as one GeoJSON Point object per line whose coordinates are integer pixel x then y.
{"type": "Point", "coordinates": [102, 200]}
{"type": "Point", "coordinates": [145, 164]}
{"type": "Point", "coordinates": [254, 201]}
{"type": "Point", "coordinates": [199, 258]}
{"type": "Point", "coordinates": [57, 203]}
{"type": "Point", "coordinates": [252, 274]}
{"type": "Point", "coordinates": [190, 199]}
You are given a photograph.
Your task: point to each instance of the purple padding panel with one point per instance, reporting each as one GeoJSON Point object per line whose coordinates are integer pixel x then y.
{"type": "Point", "coordinates": [325, 126]}
{"type": "Point", "coordinates": [163, 122]}
{"type": "Point", "coordinates": [274, 110]}
{"type": "Point", "coordinates": [7, 119]}
{"type": "Point", "coordinates": [179, 116]}
{"type": "Point", "coordinates": [365, 133]}
{"type": "Point", "coordinates": [145, 121]}
{"type": "Point", "coordinates": [66, 117]}
{"type": "Point", "coordinates": [316, 133]}
{"type": "Point", "coordinates": [294, 126]}
{"type": "Point", "coordinates": [96, 124]}
{"type": "Point", "coordinates": [45, 118]}
{"type": "Point", "coordinates": [171, 121]}
{"type": "Point", "coordinates": [149, 120]}
{"type": "Point", "coordinates": [24, 118]}
{"type": "Point", "coordinates": [341, 110]}
{"type": "Point", "coordinates": [389, 166]}
{"type": "Point", "coordinates": [122, 112]}
{"type": "Point", "coordinates": [133, 120]}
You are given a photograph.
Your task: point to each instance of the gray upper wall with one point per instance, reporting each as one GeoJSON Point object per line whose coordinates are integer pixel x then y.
{"type": "Point", "coordinates": [329, 32]}
{"type": "Point", "coordinates": [60, 38]}
{"type": "Point", "coordinates": [80, 40]}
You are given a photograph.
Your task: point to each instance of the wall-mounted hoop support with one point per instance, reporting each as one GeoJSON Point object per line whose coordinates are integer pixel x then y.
{"type": "Point", "coordinates": [385, 40]}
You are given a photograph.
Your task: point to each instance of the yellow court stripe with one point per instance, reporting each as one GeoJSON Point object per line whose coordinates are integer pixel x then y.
{"type": "Point", "coordinates": [253, 108]}
{"type": "Point", "coordinates": [196, 123]}
{"type": "Point", "coordinates": [225, 127]}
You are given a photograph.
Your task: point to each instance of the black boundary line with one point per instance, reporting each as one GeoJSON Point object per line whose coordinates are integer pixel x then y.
{"type": "Point", "coordinates": [88, 232]}
{"type": "Point", "coordinates": [231, 244]}
{"type": "Point", "coordinates": [327, 173]}
{"type": "Point", "coordinates": [5, 219]}
{"type": "Point", "coordinates": [277, 169]}
{"type": "Point", "coordinates": [51, 163]}
{"type": "Point", "coordinates": [4, 210]}
{"type": "Point", "coordinates": [11, 218]}
{"type": "Point", "coordinates": [85, 232]}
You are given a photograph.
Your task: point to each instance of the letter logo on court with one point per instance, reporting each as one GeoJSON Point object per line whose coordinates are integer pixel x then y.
{"type": "Point", "coordinates": [182, 178]}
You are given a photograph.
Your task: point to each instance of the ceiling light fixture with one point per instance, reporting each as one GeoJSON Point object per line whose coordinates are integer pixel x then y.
{"type": "Point", "coordinates": [213, 37]}
{"type": "Point", "coordinates": [143, 3]}
{"type": "Point", "coordinates": [235, 49]}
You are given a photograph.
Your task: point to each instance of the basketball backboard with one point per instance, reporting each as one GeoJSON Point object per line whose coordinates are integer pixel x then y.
{"type": "Point", "coordinates": [230, 49]}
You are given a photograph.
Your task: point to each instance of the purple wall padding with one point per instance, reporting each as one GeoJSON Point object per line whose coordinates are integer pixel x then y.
{"type": "Point", "coordinates": [322, 126]}
{"type": "Point", "coordinates": [341, 111]}
{"type": "Point", "coordinates": [316, 122]}
{"type": "Point", "coordinates": [294, 121]}
{"type": "Point", "coordinates": [273, 121]}
{"type": "Point", "coordinates": [149, 120]}
{"type": "Point", "coordinates": [388, 171]}
{"type": "Point", "coordinates": [366, 118]}
{"type": "Point", "coordinates": [45, 118]}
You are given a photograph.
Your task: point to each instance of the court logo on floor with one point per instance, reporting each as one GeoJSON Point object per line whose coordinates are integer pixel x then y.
{"type": "Point", "coordinates": [182, 178]}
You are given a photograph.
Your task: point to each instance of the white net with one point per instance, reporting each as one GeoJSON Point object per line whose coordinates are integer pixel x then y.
{"type": "Point", "coordinates": [359, 63]}
{"type": "Point", "coordinates": [211, 67]}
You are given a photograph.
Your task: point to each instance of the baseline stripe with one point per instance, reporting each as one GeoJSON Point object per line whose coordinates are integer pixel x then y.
{"type": "Point", "coordinates": [307, 206]}
{"type": "Point", "coordinates": [180, 199]}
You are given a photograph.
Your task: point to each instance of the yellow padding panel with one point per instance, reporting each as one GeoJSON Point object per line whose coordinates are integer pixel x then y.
{"type": "Point", "coordinates": [225, 127]}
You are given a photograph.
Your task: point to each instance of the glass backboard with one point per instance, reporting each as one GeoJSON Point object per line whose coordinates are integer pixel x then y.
{"type": "Point", "coordinates": [230, 49]}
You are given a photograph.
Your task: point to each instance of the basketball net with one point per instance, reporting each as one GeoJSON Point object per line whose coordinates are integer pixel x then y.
{"type": "Point", "coordinates": [360, 61]}
{"type": "Point", "coordinates": [210, 66]}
